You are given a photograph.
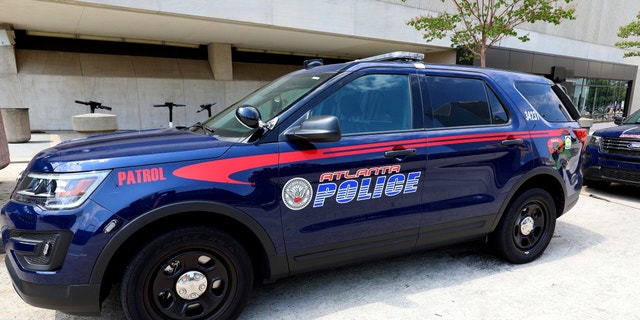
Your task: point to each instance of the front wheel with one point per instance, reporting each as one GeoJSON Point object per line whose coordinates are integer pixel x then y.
{"type": "Point", "coordinates": [188, 273]}
{"type": "Point", "coordinates": [526, 227]}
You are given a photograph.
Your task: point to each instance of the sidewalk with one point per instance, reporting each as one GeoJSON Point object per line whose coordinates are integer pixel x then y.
{"type": "Point", "coordinates": [21, 153]}
{"type": "Point", "coordinates": [602, 125]}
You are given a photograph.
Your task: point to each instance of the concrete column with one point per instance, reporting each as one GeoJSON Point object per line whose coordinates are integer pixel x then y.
{"type": "Point", "coordinates": [220, 61]}
{"type": "Point", "coordinates": [15, 128]}
{"type": "Point", "coordinates": [7, 54]}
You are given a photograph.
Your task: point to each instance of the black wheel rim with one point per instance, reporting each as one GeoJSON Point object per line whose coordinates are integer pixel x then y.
{"type": "Point", "coordinates": [531, 225]}
{"type": "Point", "coordinates": [162, 285]}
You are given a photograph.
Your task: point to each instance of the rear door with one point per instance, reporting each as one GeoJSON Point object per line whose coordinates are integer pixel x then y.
{"type": "Point", "coordinates": [476, 151]}
{"type": "Point", "coordinates": [361, 196]}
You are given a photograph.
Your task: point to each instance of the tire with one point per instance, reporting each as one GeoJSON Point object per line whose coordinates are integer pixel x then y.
{"type": "Point", "coordinates": [188, 273]}
{"type": "Point", "coordinates": [597, 184]}
{"type": "Point", "coordinates": [526, 228]}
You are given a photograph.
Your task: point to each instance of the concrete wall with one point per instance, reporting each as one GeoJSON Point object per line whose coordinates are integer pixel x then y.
{"type": "Point", "coordinates": [597, 21]}
{"type": "Point", "coordinates": [591, 35]}
{"type": "Point", "coordinates": [354, 18]}
{"type": "Point", "coordinates": [49, 82]}
{"type": "Point", "coordinates": [442, 57]}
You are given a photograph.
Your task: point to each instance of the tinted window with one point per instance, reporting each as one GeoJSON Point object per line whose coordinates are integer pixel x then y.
{"type": "Point", "coordinates": [371, 103]}
{"type": "Point", "coordinates": [463, 102]}
{"type": "Point", "coordinates": [542, 98]}
{"type": "Point", "coordinates": [498, 112]}
{"type": "Point", "coordinates": [634, 118]}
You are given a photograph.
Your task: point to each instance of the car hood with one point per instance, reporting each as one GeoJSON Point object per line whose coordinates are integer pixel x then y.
{"type": "Point", "coordinates": [627, 131]}
{"type": "Point", "coordinates": [128, 149]}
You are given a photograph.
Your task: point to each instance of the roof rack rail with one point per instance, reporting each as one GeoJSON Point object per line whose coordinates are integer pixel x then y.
{"type": "Point", "coordinates": [395, 56]}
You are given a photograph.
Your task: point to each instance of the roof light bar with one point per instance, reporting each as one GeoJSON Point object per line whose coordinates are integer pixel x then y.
{"type": "Point", "coordinates": [395, 56]}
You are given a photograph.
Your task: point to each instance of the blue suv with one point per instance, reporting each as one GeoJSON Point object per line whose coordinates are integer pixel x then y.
{"type": "Point", "coordinates": [613, 155]}
{"type": "Point", "coordinates": [326, 166]}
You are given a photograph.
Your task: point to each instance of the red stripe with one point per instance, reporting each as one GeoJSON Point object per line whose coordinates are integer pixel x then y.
{"type": "Point", "coordinates": [221, 170]}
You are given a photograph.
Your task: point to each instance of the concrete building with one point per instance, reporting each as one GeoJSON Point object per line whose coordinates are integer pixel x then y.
{"type": "Point", "coordinates": [131, 55]}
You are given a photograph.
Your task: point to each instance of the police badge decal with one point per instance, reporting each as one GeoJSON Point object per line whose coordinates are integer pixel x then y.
{"type": "Point", "coordinates": [297, 193]}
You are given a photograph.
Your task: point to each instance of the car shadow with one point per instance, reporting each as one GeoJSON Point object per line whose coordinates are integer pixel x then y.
{"type": "Point", "coordinates": [615, 191]}
{"type": "Point", "coordinates": [390, 281]}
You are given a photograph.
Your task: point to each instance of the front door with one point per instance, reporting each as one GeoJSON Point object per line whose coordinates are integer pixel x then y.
{"type": "Point", "coordinates": [361, 196]}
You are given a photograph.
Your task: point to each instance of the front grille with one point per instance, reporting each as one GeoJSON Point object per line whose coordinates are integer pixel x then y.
{"type": "Point", "coordinates": [620, 146]}
{"type": "Point", "coordinates": [624, 175]}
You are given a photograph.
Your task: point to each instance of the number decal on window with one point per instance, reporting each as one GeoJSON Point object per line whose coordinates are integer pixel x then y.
{"type": "Point", "coordinates": [532, 115]}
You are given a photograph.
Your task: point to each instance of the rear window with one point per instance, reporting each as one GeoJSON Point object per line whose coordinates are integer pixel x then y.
{"type": "Point", "coordinates": [544, 100]}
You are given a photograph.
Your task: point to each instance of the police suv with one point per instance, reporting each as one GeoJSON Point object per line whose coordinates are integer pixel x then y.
{"type": "Point", "coordinates": [613, 154]}
{"type": "Point", "coordinates": [330, 165]}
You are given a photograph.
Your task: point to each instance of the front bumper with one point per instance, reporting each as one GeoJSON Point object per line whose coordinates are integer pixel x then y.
{"type": "Point", "coordinates": [612, 174]}
{"type": "Point", "coordinates": [82, 300]}
{"type": "Point", "coordinates": [50, 257]}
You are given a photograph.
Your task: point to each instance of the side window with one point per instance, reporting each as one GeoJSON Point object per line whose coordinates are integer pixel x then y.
{"type": "Point", "coordinates": [459, 102]}
{"type": "Point", "coordinates": [542, 98]}
{"type": "Point", "coordinates": [498, 112]}
{"type": "Point", "coordinates": [371, 103]}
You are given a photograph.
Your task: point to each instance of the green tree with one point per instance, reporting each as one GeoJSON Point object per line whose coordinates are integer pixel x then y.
{"type": "Point", "coordinates": [476, 25]}
{"type": "Point", "coordinates": [632, 30]}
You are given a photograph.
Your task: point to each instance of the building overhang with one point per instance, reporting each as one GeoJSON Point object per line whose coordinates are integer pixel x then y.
{"type": "Point", "coordinates": [246, 25]}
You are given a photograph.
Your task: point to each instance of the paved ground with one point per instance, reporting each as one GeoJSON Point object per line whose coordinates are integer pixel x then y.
{"type": "Point", "coordinates": [589, 271]}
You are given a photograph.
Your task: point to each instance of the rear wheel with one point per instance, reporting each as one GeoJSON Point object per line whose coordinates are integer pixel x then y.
{"type": "Point", "coordinates": [188, 273]}
{"type": "Point", "coordinates": [526, 227]}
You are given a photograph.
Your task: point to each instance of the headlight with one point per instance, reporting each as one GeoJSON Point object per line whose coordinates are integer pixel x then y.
{"type": "Point", "coordinates": [57, 191]}
{"type": "Point", "coordinates": [595, 140]}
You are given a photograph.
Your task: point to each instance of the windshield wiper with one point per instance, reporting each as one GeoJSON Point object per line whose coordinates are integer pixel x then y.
{"type": "Point", "coordinates": [199, 125]}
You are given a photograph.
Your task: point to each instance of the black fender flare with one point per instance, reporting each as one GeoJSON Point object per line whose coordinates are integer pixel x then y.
{"type": "Point", "coordinates": [278, 264]}
{"type": "Point", "coordinates": [526, 178]}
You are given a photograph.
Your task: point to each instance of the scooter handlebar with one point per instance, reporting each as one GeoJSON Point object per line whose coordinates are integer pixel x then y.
{"type": "Point", "coordinates": [93, 105]}
{"type": "Point", "coordinates": [205, 107]}
{"type": "Point", "coordinates": [169, 104]}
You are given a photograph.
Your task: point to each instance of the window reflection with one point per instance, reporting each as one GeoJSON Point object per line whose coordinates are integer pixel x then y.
{"type": "Point", "coordinates": [600, 99]}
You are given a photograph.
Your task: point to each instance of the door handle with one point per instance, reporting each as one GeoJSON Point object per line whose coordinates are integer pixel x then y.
{"type": "Point", "coordinates": [400, 153]}
{"type": "Point", "coordinates": [512, 142]}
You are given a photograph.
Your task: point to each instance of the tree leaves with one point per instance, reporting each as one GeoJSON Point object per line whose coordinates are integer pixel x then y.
{"type": "Point", "coordinates": [476, 25]}
{"type": "Point", "coordinates": [626, 32]}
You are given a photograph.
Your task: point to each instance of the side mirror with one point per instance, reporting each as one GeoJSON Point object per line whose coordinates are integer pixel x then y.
{"type": "Point", "coordinates": [618, 120]}
{"type": "Point", "coordinates": [321, 128]}
{"type": "Point", "coordinates": [249, 116]}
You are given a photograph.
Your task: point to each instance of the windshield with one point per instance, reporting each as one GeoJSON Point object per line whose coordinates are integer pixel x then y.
{"type": "Point", "coordinates": [270, 100]}
{"type": "Point", "coordinates": [634, 118]}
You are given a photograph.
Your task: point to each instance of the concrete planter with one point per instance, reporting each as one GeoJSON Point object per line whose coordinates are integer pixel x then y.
{"type": "Point", "coordinates": [16, 124]}
{"type": "Point", "coordinates": [95, 123]}
{"type": "Point", "coordinates": [586, 123]}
